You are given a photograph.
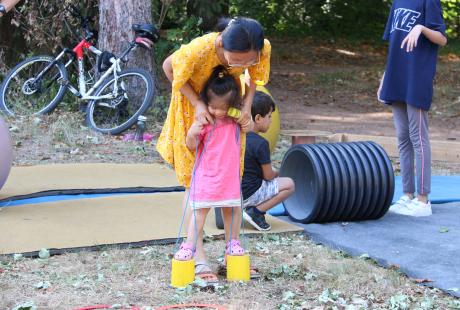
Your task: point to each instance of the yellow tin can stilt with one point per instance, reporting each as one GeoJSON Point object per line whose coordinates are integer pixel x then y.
{"type": "Point", "coordinates": [182, 272]}
{"type": "Point", "coordinates": [238, 268]}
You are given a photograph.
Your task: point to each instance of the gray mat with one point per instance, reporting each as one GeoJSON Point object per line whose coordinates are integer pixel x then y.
{"type": "Point", "coordinates": [419, 246]}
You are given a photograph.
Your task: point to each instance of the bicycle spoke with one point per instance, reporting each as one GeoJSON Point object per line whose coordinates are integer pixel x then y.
{"type": "Point", "coordinates": [130, 96]}
{"type": "Point", "coordinates": [25, 95]}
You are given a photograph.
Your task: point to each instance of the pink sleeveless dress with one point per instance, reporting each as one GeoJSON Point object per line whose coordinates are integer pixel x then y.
{"type": "Point", "coordinates": [216, 178]}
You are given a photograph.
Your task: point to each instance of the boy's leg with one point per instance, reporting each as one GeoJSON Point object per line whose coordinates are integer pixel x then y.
{"type": "Point", "coordinates": [406, 150]}
{"type": "Point", "coordinates": [286, 187]}
{"type": "Point", "coordinates": [418, 127]}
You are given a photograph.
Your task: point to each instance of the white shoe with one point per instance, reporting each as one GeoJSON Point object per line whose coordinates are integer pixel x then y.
{"type": "Point", "coordinates": [400, 204]}
{"type": "Point", "coordinates": [416, 208]}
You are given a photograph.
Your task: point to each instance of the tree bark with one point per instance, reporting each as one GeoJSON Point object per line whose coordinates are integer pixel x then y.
{"type": "Point", "coordinates": [115, 21]}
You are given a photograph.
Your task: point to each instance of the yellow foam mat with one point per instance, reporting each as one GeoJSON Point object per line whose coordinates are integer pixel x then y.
{"type": "Point", "coordinates": [99, 221]}
{"type": "Point", "coordinates": [34, 179]}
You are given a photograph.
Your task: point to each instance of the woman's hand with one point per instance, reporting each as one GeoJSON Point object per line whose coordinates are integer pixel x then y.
{"type": "Point", "coordinates": [412, 38]}
{"type": "Point", "coordinates": [245, 120]}
{"type": "Point", "coordinates": [202, 113]}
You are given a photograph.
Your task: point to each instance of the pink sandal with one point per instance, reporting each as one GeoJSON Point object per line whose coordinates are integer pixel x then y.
{"type": "Point", "coordinates": [186, 252]}
{"type": "Point", "coordinates": [234, 248]}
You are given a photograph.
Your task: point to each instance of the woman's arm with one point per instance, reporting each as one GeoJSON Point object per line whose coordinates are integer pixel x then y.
{"type": "Point", "coordinates": [201, 110]}
{"type": "Point", "coordinates": [245, 119]}
{"type": "Point", "coordinates": [8, 5]}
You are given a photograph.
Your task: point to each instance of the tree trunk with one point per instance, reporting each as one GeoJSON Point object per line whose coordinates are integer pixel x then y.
{"type": "Point", "coordinates": [115, 21]}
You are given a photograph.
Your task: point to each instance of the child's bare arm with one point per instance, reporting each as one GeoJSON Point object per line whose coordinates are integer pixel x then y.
{"type": "Point", "coordinates": [192, 134]}
{"type": "Point", "coordinates": [412, 38]}
{"type": "Point", "coordinates": [268, 172]}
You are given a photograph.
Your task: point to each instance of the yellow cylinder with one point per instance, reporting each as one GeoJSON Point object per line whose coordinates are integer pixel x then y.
{"type": "Point", "coordinates": [238, 268]}
{"type": "Point", "coordinates": [182, 272]}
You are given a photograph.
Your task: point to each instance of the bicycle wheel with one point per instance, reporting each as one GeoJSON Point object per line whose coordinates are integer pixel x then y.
{"type": "Point", "coordinates": [133, 94]}
{"type": "Point", "coordinates": [22, 94]}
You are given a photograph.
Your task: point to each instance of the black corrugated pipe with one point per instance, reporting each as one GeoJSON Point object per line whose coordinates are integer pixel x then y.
{"type": "Point", "coordinates": [338, 182]}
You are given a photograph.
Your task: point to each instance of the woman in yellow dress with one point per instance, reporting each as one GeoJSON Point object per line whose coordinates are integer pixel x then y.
{"type": "Point", "coordinates": [238, 45]}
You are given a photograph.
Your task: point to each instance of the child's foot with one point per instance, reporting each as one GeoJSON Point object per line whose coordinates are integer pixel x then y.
{"type": "Point", "coordinates": [185, 252]}
{"type": "Point", "coordinates": [416, 208]}
{"type": "Point", "coordinates": [256, 219]}
{"type": "Point", "coordinates": [204, 272]}
{"type": "Point", "coordinates": [234, 248]}
{"type": "Point", "coordinates": [401, 204]}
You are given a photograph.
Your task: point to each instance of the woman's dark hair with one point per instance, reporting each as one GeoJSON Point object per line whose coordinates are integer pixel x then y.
{"type": "Point", "coordinates": [241, 34]}
{"type": "Point", "coordinates": [262, 104]}
{"type": "Point", "coordinates": [220, 84]}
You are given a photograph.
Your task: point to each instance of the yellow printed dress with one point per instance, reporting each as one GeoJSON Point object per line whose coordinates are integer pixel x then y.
{"type": "Point", "coordinates": [194, 63]}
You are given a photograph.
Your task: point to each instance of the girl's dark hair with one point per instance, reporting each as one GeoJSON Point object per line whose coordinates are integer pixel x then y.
{"type": "Point", "coordinates": [220, 84]}
{"type": "Point", "coordinates": [241, 34]}
{"type": "Point", "coordinates": [262, 104]}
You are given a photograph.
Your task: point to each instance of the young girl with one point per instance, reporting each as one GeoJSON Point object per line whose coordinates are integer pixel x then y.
{"type": "Point", "coordinates": [415, 30]}
{"type": "Point", "coordinates": [216, 176]}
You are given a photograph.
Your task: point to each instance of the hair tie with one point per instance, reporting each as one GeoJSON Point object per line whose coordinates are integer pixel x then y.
{"type": "Point", "coordinates": [221, 74]}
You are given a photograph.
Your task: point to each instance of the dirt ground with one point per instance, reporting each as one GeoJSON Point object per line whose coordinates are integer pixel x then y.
{"type": "Point", "coordinates": [329, 86]}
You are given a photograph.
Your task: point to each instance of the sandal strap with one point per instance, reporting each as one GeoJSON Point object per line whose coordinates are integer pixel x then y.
{"type": "Point", "coordinates": [187, 246]}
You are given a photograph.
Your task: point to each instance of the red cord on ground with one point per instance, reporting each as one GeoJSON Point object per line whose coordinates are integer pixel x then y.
{"type": "Point", "coordinates": [103, 307]}
{"type": "Point", "coordinates": [216, 307]}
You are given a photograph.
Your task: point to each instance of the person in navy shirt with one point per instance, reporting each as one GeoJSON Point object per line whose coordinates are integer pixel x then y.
{"type": "Point", "coordinates": [415, 30]}
{"type": "Point", "coordinates": [261, 185]}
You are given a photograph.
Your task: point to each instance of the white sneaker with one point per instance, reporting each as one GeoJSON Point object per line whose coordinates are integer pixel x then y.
{"type": "Point", "coordinates": [416, 208]}
{"type": "Point", "coordinates": [400, 204]}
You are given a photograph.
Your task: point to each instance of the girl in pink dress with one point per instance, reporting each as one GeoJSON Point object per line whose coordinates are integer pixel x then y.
{"type": "Point", "coordinates": [216, 177]}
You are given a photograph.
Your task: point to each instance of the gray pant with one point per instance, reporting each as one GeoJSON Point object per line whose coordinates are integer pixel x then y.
{"type": "Point", "coordinates": [412, 129]}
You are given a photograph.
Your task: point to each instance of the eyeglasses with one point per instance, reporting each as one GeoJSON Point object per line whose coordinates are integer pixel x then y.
{"type": "Point", "coordinates": [249, 64]}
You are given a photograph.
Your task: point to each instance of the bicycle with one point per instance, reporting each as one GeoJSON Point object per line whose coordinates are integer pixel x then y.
{"type": "Point", "coordinates": [38, 84]}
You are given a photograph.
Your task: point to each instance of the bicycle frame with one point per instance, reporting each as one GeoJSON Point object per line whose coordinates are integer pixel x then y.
{"type": "Point", "coordinates": [78, 53]}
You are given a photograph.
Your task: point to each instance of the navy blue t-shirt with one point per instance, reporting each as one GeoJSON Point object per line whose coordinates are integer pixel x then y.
{"type": "Point", "coordinates": [409, 75]}
{"type": "Point", "coordinates": [257, 154]}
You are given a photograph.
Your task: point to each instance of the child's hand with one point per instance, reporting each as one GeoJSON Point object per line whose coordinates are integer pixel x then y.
{"type": "Point", "coordinates": [195, 129]}
{"type": "Point", "coordinates": [412, 38]}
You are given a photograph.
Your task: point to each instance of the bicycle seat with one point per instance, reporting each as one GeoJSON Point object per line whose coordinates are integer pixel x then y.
{"type": "Point", "coordinates": [148, 31]}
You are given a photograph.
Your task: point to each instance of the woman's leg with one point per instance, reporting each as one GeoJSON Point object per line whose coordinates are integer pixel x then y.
{"type": "Point", "coordinates": [418, 127]}
{"type": "Point", "coordinates": [406, 150]}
